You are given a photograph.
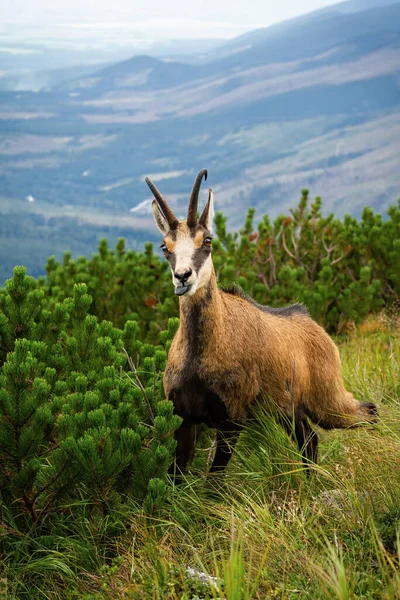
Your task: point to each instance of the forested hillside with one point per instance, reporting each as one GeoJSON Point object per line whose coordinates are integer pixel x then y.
{"type": "Point", "coordinates": [312, 102]}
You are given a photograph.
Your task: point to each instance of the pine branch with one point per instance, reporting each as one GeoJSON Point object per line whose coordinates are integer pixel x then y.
{"type": "Point", "coordinates": [337, 260]}
{"type": "Point", "coordinates": [286, 248]}
{"type": "Point", "coordinates": [139, 384]}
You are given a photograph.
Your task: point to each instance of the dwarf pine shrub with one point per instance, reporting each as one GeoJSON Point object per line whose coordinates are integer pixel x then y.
{"type": "Point", "coordinates": [341, 269]}
{"type": "Point", "coordinates": [124, 285]}
{"type": "Point", "coordinates": [83, 422]}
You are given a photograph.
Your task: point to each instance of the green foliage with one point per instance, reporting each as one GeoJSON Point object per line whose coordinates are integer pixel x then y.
{"type": "Point", "coordinates": [342, 270]}
{"type": "Point", "coordinates": [388, 527]}
{"type": "Point", "coordinates": [84, 429]}
{"type": "Point", "coordinates": [86, 436]}
{"type": "Point", "coordinates": [124, 285]}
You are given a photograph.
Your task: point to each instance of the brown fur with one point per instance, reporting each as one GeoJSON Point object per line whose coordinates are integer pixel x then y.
{"type": "Point", "coordinates": [230, 352]}
{"type": "Point", "coordinates": [182, 227]}
{"type": "Point", "coordinates": [245, 354]}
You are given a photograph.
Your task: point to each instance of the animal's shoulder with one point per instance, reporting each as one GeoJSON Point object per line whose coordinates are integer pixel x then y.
{"type": "Point", "coordinates": [285, 311]}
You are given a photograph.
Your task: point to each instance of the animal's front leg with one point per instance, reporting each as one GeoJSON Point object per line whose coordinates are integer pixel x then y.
{"type": "Point", "coordinates": [227, 435]}
{"type": "Point", "coordinates": [185, 447]}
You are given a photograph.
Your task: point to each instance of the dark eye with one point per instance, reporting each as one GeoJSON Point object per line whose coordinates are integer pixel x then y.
{"type": "Point", "coordinates": [207, 242]}
{"type": "Point", "coordinates": [164, 249]}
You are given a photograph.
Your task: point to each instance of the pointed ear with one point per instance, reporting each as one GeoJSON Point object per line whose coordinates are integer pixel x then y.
{"type": "Point", "coordinates": [207, 217]}
{"type": "Point", "coordinates": [159, 218]}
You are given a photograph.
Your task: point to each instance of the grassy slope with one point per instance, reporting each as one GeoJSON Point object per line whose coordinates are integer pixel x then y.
{"type": "Point", "coordinates": [264, 529]}
{"type": "Point", "coordinates": [268, 531]}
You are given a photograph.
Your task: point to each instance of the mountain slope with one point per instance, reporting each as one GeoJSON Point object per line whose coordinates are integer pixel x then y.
{"type": "Point", "coordinates": [139, 72]}
{"type": "Point", "coordinates": [309, 36]}
{"type": "Point", "coordinates": [313, 102]}
{"type": "Point", "coordinates": [328, 36]}
{"type": "Point", "coordinates": [260, 36]}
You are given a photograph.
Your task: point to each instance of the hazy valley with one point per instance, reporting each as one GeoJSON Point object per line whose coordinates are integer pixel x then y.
{"type": "Point", "coordinates": [313, 102]}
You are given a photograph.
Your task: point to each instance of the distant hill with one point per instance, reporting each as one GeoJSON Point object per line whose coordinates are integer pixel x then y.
{"type": "Point", "coordinates": [353, 6]}
{"type": "Point", "coordinates": [261, 35]}
{"type": "Point", "coordinates": [311, 35]}
{"type": "Point", "coordinates": [311, 102]}
{"type": "Point", "coordinates": [139, 72]}
{"type": "Point", "coordinates": [36, 80]}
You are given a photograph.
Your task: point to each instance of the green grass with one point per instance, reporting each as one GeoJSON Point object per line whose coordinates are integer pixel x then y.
{"type": "Point", "coordinates": [263, 529]}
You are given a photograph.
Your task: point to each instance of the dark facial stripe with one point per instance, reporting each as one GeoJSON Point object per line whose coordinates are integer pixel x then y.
{"type": "Point", "coordinates": [171, 257]}
{"type": "Point", "coordinates": [199, 257]}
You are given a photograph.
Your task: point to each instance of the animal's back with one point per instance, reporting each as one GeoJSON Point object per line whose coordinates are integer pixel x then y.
{"type": "Point", "coordinates": [287, 355]}
{"type": "Point", "coordinates": [260, 351]}
{"type": "Point", "coordinates": [285, 311]}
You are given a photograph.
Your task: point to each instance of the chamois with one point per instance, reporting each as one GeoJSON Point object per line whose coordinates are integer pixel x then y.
{"type": "Point", "coordinates": [230, 351]}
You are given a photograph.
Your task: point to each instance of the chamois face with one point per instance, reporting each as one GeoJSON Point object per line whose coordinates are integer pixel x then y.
{"type": "Point", "coordinates": [186, 244]}
{"type": "Point", "coordinates": [188, 251]}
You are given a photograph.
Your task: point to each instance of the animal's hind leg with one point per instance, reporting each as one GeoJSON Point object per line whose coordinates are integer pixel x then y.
{"type": "Point", "coordinates": [227, 435]}
{"type": "Point", "coordinates": [185, 447]}
{"type": "Point", "coordinates": [307, 439]}
{"type": "Point", "coordinates": [304, 434]}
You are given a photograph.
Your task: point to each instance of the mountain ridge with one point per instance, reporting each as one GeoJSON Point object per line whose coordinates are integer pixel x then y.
{"type": "Point", "coordinates": [318, 111]}
{"type": "Point", "coordinates": [152, 73]}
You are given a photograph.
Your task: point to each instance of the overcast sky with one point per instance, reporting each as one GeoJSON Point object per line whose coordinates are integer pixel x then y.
{"type": "Point", "coordinates": [166, 18]}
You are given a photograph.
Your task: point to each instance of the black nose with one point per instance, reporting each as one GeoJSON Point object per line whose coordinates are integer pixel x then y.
{"type": "Point", "coordinates": [183, 276]}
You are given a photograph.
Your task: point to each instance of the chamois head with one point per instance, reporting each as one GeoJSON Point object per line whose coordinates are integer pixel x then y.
{"type": "Point", "coordinates": [186, 244]}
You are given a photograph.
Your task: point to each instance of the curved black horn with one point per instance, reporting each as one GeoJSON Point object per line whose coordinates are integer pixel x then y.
{"type": "Point", "coordinates": [167, 212]}
{"type": "Point", "coordinates": [194, 197]}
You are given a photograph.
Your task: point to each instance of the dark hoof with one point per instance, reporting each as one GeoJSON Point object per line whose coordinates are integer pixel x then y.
{"type": "Point", "coordinates": [370, 408]}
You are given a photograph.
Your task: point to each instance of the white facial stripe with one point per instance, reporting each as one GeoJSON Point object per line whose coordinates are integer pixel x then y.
{"type": "Point", "coordinates": [184, 251]}
{"type": "Point", "coordinates": [204, 273]}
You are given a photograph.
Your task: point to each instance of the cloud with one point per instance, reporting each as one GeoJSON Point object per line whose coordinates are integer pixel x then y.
{"type": "Point", "coordinates": [17, 51]}
{"type": "Point", "coordinates": [167, 28]}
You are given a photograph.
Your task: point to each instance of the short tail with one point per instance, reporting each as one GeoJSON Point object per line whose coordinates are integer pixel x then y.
{"type": "Point", "coordinates": [353, 414]}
